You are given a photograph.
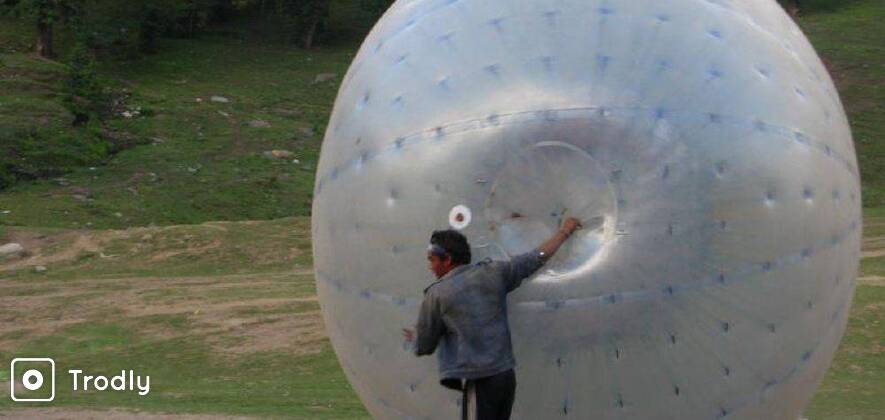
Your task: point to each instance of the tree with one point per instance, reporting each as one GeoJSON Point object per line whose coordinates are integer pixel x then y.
{"type": "Point", "coordinates": [45, 17]}
{"type": "Point", "coordinates": [376, 7]}
{"type": "Point", "coordinates": [84, 96]}
{"type": "Point", "coordinates": [793, 7]}
{"type": "Point", "coordinates": [45, 14]}
{"type": "Point", "coordinates": [301, 21]}
{"type": "Point", "coordinates": [312, 15]}
{"type": "Point", "coordinates": [129, 28]}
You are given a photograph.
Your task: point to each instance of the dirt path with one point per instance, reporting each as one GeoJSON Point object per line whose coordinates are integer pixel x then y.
{"type": "Point", "coordinates": [871, 280]}
{"type": "Point", "coordinates": [235, 314]}
{"type": "Point", "coordinates": [873, 243]}
{"type": "Point", "coordinates": [873, 254]}
{"type": "Point", "coordinates": [873, 247]}
{"type": "Point", "coordinates": [235, 325]}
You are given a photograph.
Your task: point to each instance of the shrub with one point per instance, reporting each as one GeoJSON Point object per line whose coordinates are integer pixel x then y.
{"type": "Point", "coordinates": [84, 96]}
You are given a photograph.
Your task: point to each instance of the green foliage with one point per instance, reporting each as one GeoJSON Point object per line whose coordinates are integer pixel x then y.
{"type": "Point", "coordinates": [153, 25]}
{"type": "Point", "coordinates": [376, 7]}
{"type": "Point", "coordinates": [298, 22]}
{"type": "Point", "coordinates": [15, 35]}
{"type": "Point", "coordinates": [116, 28]}
{"type": "Point", "coordinates": [44, 14]}
{"type": "Point", "coordinates": [804, 7]}
{"type": "Point", "coordinates": [84, 96]}
{"type": "Point", "coordinates": [6, 173]}
{"type": "Point", "coordinates": [39, 11]}
{"type": "Point", "coordinates": [39, 101]}
{"type": "Point", "coordinates": [34, 153]}
{"type": "Point", "coordinates": [36, 137]}
{"type": "Point", "coordinates": [128, 29]}
{"type": "Point", "coordinates": [232, 181]}
{"type": "Point", "coordinates": [206, 161]}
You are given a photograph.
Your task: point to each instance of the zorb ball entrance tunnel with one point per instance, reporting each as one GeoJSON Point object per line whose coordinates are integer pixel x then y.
{"type": "Point", "coordinates": [701, 142]}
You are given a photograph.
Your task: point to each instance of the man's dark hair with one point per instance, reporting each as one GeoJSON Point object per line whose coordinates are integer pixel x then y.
{"type": "Point", "coordinates": [454, 243]}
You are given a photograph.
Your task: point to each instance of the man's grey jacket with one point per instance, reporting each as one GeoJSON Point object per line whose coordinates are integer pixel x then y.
{"type": "Point", "coordinates": [465, 312]}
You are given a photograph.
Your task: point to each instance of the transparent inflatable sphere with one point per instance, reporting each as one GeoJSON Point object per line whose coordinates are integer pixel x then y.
{"type": "Point", "coordinates": [702, 143]}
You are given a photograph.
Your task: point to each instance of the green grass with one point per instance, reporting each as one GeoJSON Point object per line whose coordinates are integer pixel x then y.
{"type": "Point", "coordinates": [245, 279]}
{"type": "Point", "coordinates": [202, 165]}
{"type": "Point", "coordinates": [296, 308]}
{"type": "Point", "coordinates": [873, 267]}
{"type": "Point", "coordinates": [205, 166]}
{"type": "Point", "coordinates": [855, 383]}
{"type": "Point", "coordinates": [37, 139]}
{"type": "Point", "coordinates": [849, 38]}
{"type": "Point", "coordinates": [276, 383]}
{"type": "Point", "coordinates": [809, 7]}
{"type": "Point", "coordinates": [15, 36]}
{"type": "Point", "coordinates": [186, 377]}
{"type": "Point", "coordinates": [294, 287]}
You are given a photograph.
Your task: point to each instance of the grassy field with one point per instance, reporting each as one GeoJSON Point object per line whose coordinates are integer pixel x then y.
{"type": "Point", "coordinates": [205, 159]}
{"type": "Point", "coordinates": [227, 309]}
{"type": "Point", "coordinates": [37, 139]}
{"type": "Point", "coordinates": [855, 383]}
{"type": "Point", "coordinates": [850, 40]}
{"type": "Point", "coordinates": [176, 303]}
{"type": "Point", "coordinates": [217, 338]}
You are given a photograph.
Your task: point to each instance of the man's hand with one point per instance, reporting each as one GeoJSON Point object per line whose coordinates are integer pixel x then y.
{"type": "Point", "coordinates": [408, 335]}
{"type": "Point", "coordinates": [570, 225]}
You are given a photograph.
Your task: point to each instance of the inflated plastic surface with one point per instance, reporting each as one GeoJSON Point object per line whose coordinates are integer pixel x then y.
{"type": "Point", "coordinates": [702, 143]}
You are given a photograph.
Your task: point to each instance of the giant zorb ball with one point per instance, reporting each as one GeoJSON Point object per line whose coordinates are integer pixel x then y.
{"type": "Point", "coordinates": [701, 142]}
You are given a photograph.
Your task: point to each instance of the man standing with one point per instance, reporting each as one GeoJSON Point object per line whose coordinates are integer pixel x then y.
{"type": "Point", "coordinates": [465, 311]}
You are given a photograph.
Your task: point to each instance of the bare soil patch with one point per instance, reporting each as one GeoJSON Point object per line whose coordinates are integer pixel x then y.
{"type": "Point", "coordinates": [234, 326]}
{"type": "Point", "coordinates": [39, 247]}
{"type": "Point", "coordinates": [873, 254]}
{"type": "Point", "coordinates": [871, 280]}
{"type": "Point", "coordinates": [231, 245]}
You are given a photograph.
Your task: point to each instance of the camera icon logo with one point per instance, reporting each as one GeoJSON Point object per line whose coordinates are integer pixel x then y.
{"type": "Point", "coordinates": [27, 382]}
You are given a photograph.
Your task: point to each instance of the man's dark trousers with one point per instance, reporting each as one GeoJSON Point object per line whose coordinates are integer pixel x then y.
{"type": "Point", "coordinates": [489, 398]}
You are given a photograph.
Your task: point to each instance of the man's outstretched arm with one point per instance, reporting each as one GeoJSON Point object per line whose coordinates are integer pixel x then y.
{"type": "Point", "coordinates": [523, 266]}
{"type": "Point", "coordinates": [569, 226]}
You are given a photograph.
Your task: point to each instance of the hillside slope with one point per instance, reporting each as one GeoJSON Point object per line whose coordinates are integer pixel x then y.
{"type": "Point", "coordinates": [211, 160]}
